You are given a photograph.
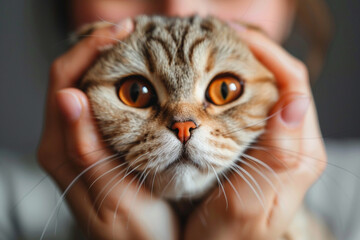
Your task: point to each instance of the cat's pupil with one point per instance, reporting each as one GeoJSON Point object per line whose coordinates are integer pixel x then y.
{"type": "Point", "coordinates": [224, 90]}
{"type": "Point", "coordinates": [134, 92]}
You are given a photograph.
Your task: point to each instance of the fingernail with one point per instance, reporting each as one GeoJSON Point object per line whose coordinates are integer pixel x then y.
{"type": "Point", "coordinates": [237, 26]}
{"type": "Point", "coordinates": [293, 113]}
{"type": "Point", "coordinates": [70, 105]}
{"type": "Point", "coordinates": [125, 25]}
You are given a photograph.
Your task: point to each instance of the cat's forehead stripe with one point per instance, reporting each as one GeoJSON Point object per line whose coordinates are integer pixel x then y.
{"type": "Point", "coordinates": [180, 51]}
{"type": "Point", "coordinates": [193, 47]}
{"type": "Point", "coordinates": [164, 45]}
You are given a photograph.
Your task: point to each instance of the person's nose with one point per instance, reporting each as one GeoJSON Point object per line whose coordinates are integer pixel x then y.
{"type": "Point", "coordinates": [183, 8]}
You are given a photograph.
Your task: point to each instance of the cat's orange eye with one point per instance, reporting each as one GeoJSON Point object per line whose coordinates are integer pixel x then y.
{"type": "Point", "coordinates": [136, 92]}
{"type": "Point", "coordinates": [224, 89]}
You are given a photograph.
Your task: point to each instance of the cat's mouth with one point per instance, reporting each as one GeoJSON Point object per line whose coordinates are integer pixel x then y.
{"type": "Point", "coordinates": [183, 159]}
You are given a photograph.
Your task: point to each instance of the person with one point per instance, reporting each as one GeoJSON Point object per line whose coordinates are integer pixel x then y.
{"type": "Point", "coordinates": [71, 144]}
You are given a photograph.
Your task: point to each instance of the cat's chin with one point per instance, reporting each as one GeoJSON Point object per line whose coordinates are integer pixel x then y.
{"type": "Point", "coordinates": [184, 180]}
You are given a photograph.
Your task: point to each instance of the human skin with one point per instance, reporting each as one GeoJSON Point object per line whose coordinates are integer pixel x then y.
{"type": "Point", "coordinates": [71, 143]}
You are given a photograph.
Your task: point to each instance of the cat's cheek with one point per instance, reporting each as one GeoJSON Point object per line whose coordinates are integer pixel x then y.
{"type": "Point", "coordinates": [208, 150]}
{"type": "Point", "coordinates": [155, 152]}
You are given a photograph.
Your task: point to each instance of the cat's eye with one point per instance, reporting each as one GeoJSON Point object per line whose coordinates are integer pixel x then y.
{"type": "Point", "coordinates": [135, 91]}
{"type": "Point", "coordinates": [224, 89]}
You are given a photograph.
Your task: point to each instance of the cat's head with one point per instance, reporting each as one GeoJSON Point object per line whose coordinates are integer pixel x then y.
{"type": "Point", "coordinates": [181, 98]}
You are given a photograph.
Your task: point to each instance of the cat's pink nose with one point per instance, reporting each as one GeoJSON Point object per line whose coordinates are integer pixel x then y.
{"type": "Point", "coordinates": [183, 130]}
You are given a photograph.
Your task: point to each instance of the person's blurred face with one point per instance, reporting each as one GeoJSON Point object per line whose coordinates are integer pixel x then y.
{"type": "Point", "coordinates": [273, 16]}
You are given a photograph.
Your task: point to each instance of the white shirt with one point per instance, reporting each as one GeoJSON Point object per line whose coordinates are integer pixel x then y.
{"type": "Point", "coordinates": [27, 199]}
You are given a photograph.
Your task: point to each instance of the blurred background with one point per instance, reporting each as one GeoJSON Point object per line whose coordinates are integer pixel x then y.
{"type": "Point", "coordinates": [32, 35]}
{"type": "Point", "coordinates": [30, 40]}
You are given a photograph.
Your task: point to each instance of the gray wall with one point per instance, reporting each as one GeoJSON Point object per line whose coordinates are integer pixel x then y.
{"type": "Point", "coordinates": [30, 40]}
{"type": "Point", "coordinates": [337, 92]}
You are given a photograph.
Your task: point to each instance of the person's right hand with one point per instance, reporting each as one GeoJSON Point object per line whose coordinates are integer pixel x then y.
{"type": "Point", "coordinates": [105, 198]}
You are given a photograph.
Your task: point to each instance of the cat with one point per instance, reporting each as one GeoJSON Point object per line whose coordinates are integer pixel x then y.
{"type": "Point", "coordinates": [184, 97]}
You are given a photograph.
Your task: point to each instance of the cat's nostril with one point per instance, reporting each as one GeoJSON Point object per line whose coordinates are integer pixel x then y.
{"type": "Point", "coordinates": [183, 130]}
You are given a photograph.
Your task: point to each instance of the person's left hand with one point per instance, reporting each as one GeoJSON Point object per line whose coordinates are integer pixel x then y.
{"type": "Point", "coordinates": [292, 147]}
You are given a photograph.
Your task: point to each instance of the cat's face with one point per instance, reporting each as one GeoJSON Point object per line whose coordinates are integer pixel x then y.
{"type": "Point", "coordinates": [181, 99]}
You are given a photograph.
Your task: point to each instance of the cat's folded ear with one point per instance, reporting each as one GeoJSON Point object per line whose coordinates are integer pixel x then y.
{"type": "Point", "coordinates": [86, 31]}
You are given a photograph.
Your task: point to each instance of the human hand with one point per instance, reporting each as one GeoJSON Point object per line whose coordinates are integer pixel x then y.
{"type": "Point", "coordinates": [283, 164]}
{"type": "Point", "coordinates": [103, 194]}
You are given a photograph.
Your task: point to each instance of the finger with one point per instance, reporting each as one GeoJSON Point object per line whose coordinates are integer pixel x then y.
{"type": "Point", "coordinates": [294, 162]}
{"type": "Point", "coordinates": [291, 74]}
{"type": "Point", "coordinates": [272, 197]}
{"type": "Point", "coordinates": [84, 143]}
{"type": "Point", "coordinates": [90, 155]}
{"type": "Point", "coordinates": [68, 68]}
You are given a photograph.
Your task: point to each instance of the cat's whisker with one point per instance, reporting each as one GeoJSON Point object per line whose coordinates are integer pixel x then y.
{"type": "Point", "coordinates": [207, 202]}
{"type": "Point", "coordinates": [260, 174]}
{"type": "Point", "coordinates": [167, 185]}
{"type": "Point", "coordinates": [251, 178]}
{"type": "Point", "coordinates": [105, 187]}
{"type": "Point", "coordinates": [102, 36]}
{"type": "Point", "coordinates": [264, 149]}
{"type": "Point", "coordinates": [292, 138]}
{"type": "Point", "coordinates": [234, 189]}
{"type": "Point", "coordinates": [111, 170]}
{"type": "Point", "coordinates": [72, 183]}
{"type": "Point", "coordinates": [111, 158]}
{"type": "Point", "coordinates": [106, 148]}
{"type": "Point", "coordinates": [260, 199]}
{"type": "Point", "coordinates": [246, 9]}
{"type": "Point", "coordinates": [143, 176]}
{"type": "Point", "coordinates": [315, 170]}
{"type": "Point", "coordinates": [202, 219]}
{"type": "Point", "coordinates": [153, 182]}
{"type": "Point", "coordinates": [109, 162]}
{"type": "Point", "coordinates": [114, 24]}
{"type": "Point", "coordinates": [261, 163]}
{"type": "Point", "coordinates": [311, 166]}
{"type": "Point", "coordinates": [42, 179]}
{"type": "Point", "coordinates": [121, 197]}
{"type": "Point", "coordinates": [221, 186]}
{"type": "Point", "coordinates": [294, 153]}
{"type": "Point", "coordinates": [103, 190]}
{"type": "Point", "coordinates": [47, 176]}
{"type": "Point", "coordinates": [117, 183]}
{"type": "Point", "coordinates": [105, 173]}
{"type": "Point", "coordinates": [255, 123]}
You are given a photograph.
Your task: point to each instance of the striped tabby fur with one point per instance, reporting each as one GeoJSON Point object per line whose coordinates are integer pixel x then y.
{"type": "Point", "coordinates": [180, 56]}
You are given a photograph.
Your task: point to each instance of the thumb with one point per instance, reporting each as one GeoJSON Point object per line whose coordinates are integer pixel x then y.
{"type": "Point", "coordinates": [283, 131]}
{"type": "Point", "coordinates": [82, 137]}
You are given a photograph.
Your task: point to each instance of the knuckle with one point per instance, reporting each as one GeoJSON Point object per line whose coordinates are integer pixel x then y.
{"type": "Point", "coordinates": [322, 164]}
{"type": "Point", "coordinates": [320, 160]}
{"type": "Point", "coordinates": [81, 153]}
{"type": "Point", "coordinates": [93, 41]}
{"type": "Point", "coordinates": [57, 68]}
{"type": "Point", "coordinates": [44, 156]}
{"type": "Point", "coordinates": [286, 160]}
{"type": "Point", "coordinates": [318, 155]}
{"type": "Point", "coordinates": [240, 214]}
{"type": "Point", "coordinates": [300, 71]}
{"type": "Point", "coordinates": [96, 39]}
